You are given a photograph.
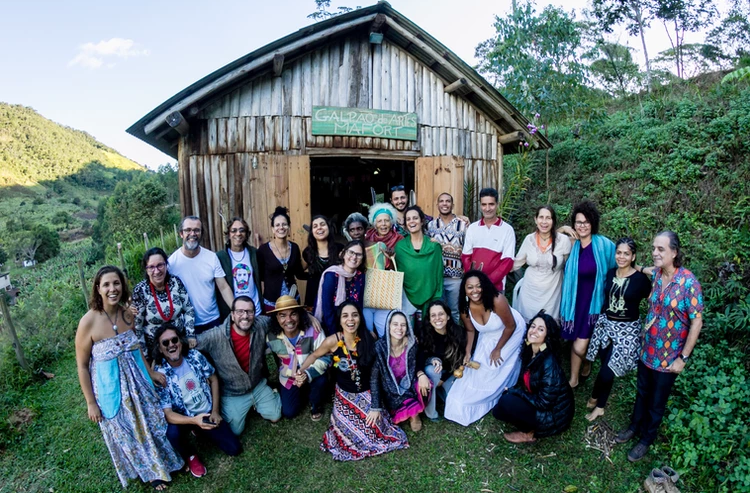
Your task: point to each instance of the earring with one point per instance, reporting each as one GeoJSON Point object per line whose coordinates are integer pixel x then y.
{"type": "Point", "coordinates": [466, 298]}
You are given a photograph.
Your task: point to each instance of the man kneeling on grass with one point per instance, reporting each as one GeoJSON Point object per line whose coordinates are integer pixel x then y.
{"type": "Point", "coordinates": [190, 398]}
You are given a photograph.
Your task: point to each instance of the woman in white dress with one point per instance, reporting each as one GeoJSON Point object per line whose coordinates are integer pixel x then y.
{"type": "Point", "coordinates": [544, 252]}
{"type": "Point", "coordinates": [501, 330]}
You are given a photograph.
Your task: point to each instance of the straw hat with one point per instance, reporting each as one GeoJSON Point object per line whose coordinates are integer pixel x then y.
{"type": "Point", "coordinates": [285, 302]}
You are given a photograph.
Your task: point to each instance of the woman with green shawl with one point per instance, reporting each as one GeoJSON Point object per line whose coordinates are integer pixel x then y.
{"type": "Point", "coordinates": [421, 260]}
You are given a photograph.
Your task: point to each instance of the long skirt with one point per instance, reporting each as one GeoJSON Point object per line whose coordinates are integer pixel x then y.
{"type": "Point", "coordinates": [349, 438]}
{"type": "Point", "coordinates": [412, 406]}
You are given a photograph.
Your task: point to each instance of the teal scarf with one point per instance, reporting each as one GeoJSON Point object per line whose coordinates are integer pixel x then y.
{"type": "Point", "coordinates": [604, 252]}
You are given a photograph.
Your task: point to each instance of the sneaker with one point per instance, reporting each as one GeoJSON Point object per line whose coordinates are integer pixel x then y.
{"type": "Point", "coordinates": [656, 481]}
{"type": "Point", "coordinates": [196, 467]}
{"type": "Point", "coordinates": [638, 452]}
{"type": "Point", "coordinates": [624, 436]}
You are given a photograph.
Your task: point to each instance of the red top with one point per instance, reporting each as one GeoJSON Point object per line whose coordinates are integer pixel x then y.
{"type": "Point", "coordinates": [241, 347]}
{"type": "Point", "coordinates": [526, 380]}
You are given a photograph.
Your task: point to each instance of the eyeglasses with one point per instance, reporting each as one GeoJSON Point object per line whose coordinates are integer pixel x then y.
{"type": "Point", "coordinates": [195, 231]}
{"type": "Point", "coordinates": [238, 230]}
{"type": "Point", "coordinates": [397, 188]}
{"type": "Point", "coordinates": [350, 253]}
{"type": "Point", "coordinates": [581, 223]}
{"type": "Point", "coordinates": [169, 342]}
{"type": "Point", "coordinates": [152, 268]}
{"type": "Point", "coordinates": [247, 313]}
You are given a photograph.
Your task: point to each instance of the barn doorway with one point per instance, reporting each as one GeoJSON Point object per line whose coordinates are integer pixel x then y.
{"type": "Point", "coordinates": [341, 185]}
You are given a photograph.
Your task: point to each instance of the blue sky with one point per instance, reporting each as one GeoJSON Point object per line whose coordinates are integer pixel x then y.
{"type": "Point", "coordinates": [99, 66]}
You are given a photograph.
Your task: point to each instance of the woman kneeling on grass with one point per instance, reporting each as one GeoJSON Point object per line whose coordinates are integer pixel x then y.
{"type": "Point", "coordinates": [542, 403]}
{"type": "Point", "coordinates": [118, 387]}
{"type": "Point", "coordinates": [403, 386]}
{"type": "Point", "coordinates": [358, 429]}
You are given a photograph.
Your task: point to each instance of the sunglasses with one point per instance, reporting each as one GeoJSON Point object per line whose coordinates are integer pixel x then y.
{"type": "Point", "coordinates": [397, 188]}
{"type": "Point", "coordinates": [169, 342]}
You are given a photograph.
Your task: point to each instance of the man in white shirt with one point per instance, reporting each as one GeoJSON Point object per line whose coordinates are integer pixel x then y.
{"type": "Point", "coordinates": [200, 271]}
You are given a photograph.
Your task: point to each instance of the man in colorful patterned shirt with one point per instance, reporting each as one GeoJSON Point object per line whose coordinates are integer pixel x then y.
{"type": "Point", "coordinates": [672, 328]}
{"type": "Point", "coordinates": [448, 230]}
{"type": "Point", "coordinates": [190, 398]}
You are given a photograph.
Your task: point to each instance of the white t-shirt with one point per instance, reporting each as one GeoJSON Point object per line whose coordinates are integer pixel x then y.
{"type": "Point", "coordinates": [196, 402]}
{"type": "Point", "coordinates": [198, 274]}
{"type": "Point", "coordinates": [242, 275]}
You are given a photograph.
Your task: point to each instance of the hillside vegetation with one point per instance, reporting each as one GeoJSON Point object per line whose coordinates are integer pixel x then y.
{"type": "Point", "coordinates": [34, 149]}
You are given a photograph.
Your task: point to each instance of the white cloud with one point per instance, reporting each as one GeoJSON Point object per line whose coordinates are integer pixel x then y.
{"type": "Point", "coordinates": [93, 55]}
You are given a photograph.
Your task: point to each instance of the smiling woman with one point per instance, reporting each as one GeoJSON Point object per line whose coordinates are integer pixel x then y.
{"type": "Point", "coordinates": [279, 261]}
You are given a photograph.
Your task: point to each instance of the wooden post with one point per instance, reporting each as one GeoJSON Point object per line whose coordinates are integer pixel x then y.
{"type": "Point", "coordinates": [14, 337]}
{"type": "Point", "coordinates": [499, 160]}
{"type": "Point", "coordinates": [177, 237]}
{"type": "Point", "coordinates": [161, 234]}
{"type": "Point", "coordinates": [120, 257]}
{"type": "Point", "coordinates": [146, 241]}
{"type": "Point", "coordinates": [83, 284]}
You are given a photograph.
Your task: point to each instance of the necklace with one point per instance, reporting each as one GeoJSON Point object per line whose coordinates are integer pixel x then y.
{"type": "Point", "coordinates": [114, 324]}
{"type": "Point", "coordinates": [283, 259]}
{"type": "Point", "coordinates": [543, 246]}
{"type": "Point", "coordinates": [352, 365]}
{"type": "Point", "coordinates": [236, 260]}
{"type": "Point", "coordinates": [158, 307]}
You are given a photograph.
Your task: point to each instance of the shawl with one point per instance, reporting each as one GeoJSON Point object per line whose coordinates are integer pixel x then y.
{"type": "Point", "coordinates": [395, 391]}
{"type": "Point", "coordinates": [390, 238]}
{"type": "Point", "coordinates": [604, 253]}
{"type": "Point", "coordinates": [423, 270]}
{"type": "Point", "coordinates": [375, 245]}
{"type": "Point", "coordinates": [341, 287]}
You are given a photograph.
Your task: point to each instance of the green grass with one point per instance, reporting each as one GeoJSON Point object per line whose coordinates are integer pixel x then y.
{"type": "Point", "coordinates": [62, 451]}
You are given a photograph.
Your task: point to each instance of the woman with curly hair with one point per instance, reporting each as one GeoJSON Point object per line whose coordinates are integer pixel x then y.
{"type": "Point", "coordinates": [442, 344]}
{"type": "Point", "coordinates": [592, 256]}
{"type": "Point", "coordinates": [495, 362]}
{"type": "Point", "coordinates": [541, 404]}
{"type": "Point", "coordinates": [342, 282]}
{"type": "Point", "coordinates": [279, 261]}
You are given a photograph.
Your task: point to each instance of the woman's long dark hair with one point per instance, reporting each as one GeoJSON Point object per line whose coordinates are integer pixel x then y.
{"type": "Point", "coordinates": [145, 260]}
{"type": "Point", "coordinates": [366, 346]}
{"type": "Point", "coordinates": [489, 291]}
{"type": "Point", "coordinates": [553, 233]}
{"type": "Point", "coordinates": [456, 337]}
{"type": "Point", "coordinates": [95, 301]}
{"type": "Point", "coordinates": [552, 339]}
{"type": "Point", "coordinates": [309, 254]}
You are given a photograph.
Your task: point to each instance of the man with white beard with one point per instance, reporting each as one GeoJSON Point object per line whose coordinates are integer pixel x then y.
{"type": "Point", "coordinates": [200, 270]}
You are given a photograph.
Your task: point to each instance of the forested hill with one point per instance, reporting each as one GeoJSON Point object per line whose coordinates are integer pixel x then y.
{"type": "Point", "coordinates": [34, 149]}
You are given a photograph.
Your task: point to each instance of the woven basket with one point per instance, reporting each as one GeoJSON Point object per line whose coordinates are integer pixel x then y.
{"type": "Point", "coordinates": [383, 288]}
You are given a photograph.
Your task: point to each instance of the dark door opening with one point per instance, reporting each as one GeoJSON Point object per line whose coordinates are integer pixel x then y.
{"type": "Point", "coordinates": [341, 185]}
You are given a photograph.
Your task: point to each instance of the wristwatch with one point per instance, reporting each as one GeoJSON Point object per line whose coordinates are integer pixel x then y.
{"type": "Point", "coordinates": [683, 357]}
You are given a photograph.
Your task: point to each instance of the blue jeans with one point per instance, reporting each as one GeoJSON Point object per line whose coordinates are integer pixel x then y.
{"type": "Point", "coordinates": [435, 377]}
{"type": "Point", "coordinates": [293, 397]}
{"type": "Point", "coordinates": [235, 407]}
{"type": "Point", "coordinates": [451, 287]}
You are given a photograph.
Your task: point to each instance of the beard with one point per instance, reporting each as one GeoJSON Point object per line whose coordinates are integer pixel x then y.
{"type": "Point", "coordinates": [191, 244]}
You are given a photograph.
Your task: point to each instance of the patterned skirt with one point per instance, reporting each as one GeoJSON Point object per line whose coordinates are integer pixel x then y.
{"type": "Point", "coordinates": [349, 438]}
{"type": "Point", "coordinates": [625, 339]}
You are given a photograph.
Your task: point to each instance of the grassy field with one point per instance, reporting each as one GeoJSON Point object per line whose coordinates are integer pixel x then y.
{"type": "Point", "coordinates": [62, 451]}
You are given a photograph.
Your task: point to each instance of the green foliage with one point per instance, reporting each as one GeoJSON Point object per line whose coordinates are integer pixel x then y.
{"type": "Point", "coordinates": [49, 243]}
{"type": "Point", "coordinates": [732, 34]}
{"type": "Point", "coordinates": [3, 255]}
{"type": "Point", "coordinates": [614, 68]}
{"type": "Point", "coordinates": [34, 149]}
{"type": "Point", "coordinates": [535, 58]}
{"type": "Point", "coordinates": [707, 419]}
{"type": "Point", "coordinates": [322, 11]}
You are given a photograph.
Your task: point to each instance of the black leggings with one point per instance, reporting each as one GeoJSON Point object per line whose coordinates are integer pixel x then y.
{"type": "Point", "coordinates": [515, 410]}
{"type": "Point", "coordinates": [604, 381]}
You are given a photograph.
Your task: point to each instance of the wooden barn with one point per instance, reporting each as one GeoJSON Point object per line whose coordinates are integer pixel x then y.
{"type": "Point", "coordinates": [314, 120]}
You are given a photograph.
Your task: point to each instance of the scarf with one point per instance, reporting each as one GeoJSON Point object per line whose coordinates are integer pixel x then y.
{"type": "Point", "coordinates": [341, 288]}
{"type": "Point", "coordinates": [390, 238]}
{"type": "Point", "coordinates": [604, 253]}
{"type": "Point", "coordinates": [423, 270]}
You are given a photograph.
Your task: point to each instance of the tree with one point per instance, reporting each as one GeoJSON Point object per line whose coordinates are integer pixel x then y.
{"type": "Point", "coordinates": [697, 59]}
{"type": "Point", "coordinates": [322, 10]}
{"type": "Point", "coordinates": [732, 35]}
{"type": "Point", "coordinates": [536, 59]}
{"type": "Point", "coordinates": [680, 17]}
{"type": "Point", "coordinates": [48, 243]}
{"type": "Point", "coordinates": [62, 217]}
{"type": "Point", "coordinates": [614, 68]}
{"type": "Point", "coordinates": [635, 14]}
{"type": "Point", "coordinates": [3, 255]}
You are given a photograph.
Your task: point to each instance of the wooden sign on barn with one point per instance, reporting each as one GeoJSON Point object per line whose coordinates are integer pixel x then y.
{"type": "Point", "coordinates": [314, 120]}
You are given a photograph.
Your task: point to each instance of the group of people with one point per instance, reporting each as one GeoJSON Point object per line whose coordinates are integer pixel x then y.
{"type": "Point", "coordinates": [409, 317]}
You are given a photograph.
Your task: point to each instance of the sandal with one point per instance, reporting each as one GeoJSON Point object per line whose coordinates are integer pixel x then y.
{"type": "Point", "coordinates": [158, 485]}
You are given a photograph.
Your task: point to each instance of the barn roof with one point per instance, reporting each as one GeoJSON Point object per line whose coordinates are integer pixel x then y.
{"type": "Point", "coordinates": [154, 129]}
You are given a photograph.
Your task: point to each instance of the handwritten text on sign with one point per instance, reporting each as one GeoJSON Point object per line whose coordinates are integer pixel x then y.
{"type": "Point", "coordinates": [356, 122]}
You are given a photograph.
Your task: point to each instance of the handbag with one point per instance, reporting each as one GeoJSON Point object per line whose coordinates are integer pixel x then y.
{"type": "Point", "coordinates": [383, 288]}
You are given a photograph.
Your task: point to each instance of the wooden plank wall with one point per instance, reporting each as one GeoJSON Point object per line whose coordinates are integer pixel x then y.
{"type": "Point", "coordinates": [274, 113]}
{"type": "Point", "coordinates": [436, 175]}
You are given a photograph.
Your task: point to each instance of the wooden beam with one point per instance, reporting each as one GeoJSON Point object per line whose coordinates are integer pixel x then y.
{"type": "Point", "coordinates": [245, 69]}
{"type": "Point", "coordinates": [440, 60]}
{"type": "Point", "coordinates": [457, 84]}
{"type": "Point", "coordinates": [509, 138]}
{"type": "Point", "coordinates": [350, 152]}
{"type": "Point", "coordinates": [176, 121]}
{"type": "Point", "coordinates": [278, 65]}
{"type": "Point", "coordinates": [378, 22]}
